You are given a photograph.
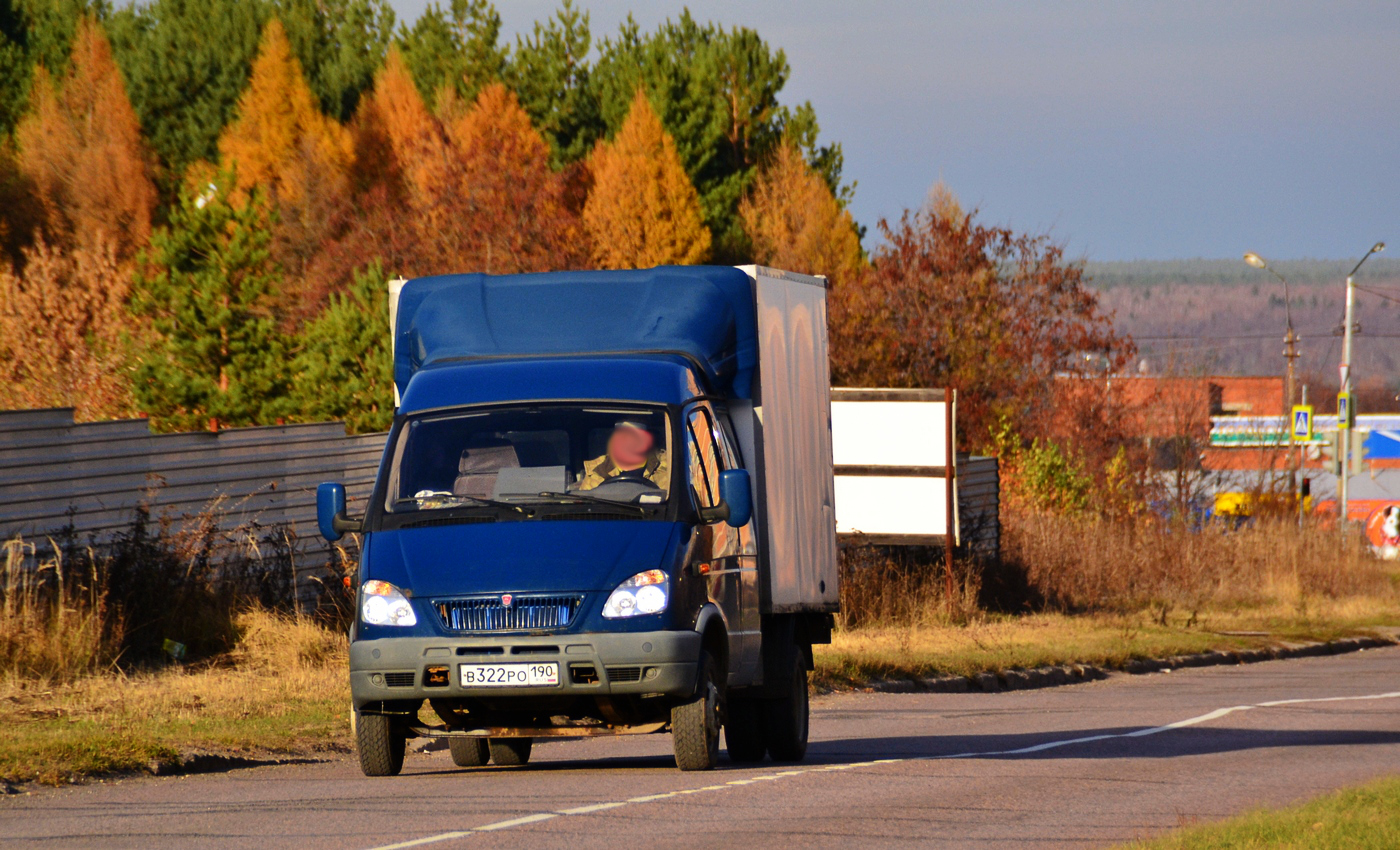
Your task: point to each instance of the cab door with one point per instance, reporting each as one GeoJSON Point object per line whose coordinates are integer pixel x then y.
{"type": "Point", "coordinates": [724, 556]}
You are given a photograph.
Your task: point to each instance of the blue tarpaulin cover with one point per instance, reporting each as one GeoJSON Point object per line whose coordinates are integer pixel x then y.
{"type": "Point", "coordinates": [706, 313]}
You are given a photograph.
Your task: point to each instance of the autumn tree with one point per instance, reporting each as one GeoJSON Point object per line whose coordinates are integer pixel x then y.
{"type": "Point", "coordinates": [507, 202]}
{"type": "Point", "coordinates": [187, 63]}
{"type": "Point", "coordinates": [280, 130]}
{"type": "Point", "coordinates": [62, 325]}
{"type": "Point", "coordinates": [344, 369]}
{"type": "Point", "coordinates": [80, 144]}
{"type": "Point", "coordinates": [952, 302]}
{"type": "Point", "coordinates": [643, 210]}
{"type": "Point", "coordinates": [218, 359]}
{"type": "Point", "coordinates": [794, 222]}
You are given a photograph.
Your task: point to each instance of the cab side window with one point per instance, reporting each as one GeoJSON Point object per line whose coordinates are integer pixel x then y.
{"type": "Point", "coordinates": [704, 458]}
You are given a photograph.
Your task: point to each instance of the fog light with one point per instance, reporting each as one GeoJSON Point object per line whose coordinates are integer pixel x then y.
{"type": "Point", "coordinates": [651, 673]}
{"type": "Point", "coordinates": [377, 679]}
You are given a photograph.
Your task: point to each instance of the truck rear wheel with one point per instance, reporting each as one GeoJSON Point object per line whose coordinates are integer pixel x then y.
{"type": "Point", "coordinates": [786, 718]}
{"type": "Point", "coordinates": [510, 752]}
{"type": "Point", "coordinates": [380, 744]}
{"type": "Point", "coordinates": [469, 752]}
{"type": "Point", "coordinates": [744, 735]}
{"type": "Point", "coordinates": [695, 725]}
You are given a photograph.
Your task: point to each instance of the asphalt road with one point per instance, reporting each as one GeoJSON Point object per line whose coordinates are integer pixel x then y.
{"type": "Point", "coordinates": [1079, 766]}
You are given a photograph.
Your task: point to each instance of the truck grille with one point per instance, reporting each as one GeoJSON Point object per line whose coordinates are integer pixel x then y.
{"type": "Point", "coordinates": [525, 613]}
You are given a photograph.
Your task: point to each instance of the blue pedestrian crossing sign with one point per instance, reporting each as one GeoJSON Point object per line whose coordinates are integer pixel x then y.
{"type": "Point", "coordinates": [1302, 423]}
{"type": "Point", "coordinates": [1345, 414]}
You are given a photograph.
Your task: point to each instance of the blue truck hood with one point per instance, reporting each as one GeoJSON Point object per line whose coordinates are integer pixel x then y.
{"type": "Point", "coordinates": [520, 557]}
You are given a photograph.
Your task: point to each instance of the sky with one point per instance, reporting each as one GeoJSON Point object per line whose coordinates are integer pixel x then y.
{"type": "Point", "coordinates": [1123, 130]}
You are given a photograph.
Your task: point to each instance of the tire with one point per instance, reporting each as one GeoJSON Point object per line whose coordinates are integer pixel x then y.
{"type": "Point", "coordinates": [744, 735]}
{"type": "Point", "coordinates": [380, 744]}
{"type": "Point", "coordinates": [785, 718]}
{"type": "Point", "coordinates": [469, 752]}
{"type": "Point", "coordinates": [510, 752]}
{"type": "Point", "coordinates": [695, 725]}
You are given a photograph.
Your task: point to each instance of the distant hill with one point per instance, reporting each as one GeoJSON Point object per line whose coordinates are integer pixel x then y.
{"type": "Point", "coordinates": [1224, 316]}
{"type": "Point", "coordinates": [1106, 275]}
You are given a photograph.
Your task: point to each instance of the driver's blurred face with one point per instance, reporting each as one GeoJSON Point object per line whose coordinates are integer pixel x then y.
{"type": "Point", "coordinates": [628, 447]}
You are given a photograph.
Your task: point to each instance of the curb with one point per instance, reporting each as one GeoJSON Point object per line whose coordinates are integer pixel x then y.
{"type": "Point", "coordinates": [1073, 674]}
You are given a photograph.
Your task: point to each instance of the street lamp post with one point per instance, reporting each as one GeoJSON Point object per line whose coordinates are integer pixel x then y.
{"type": "Point", "coordinates": [1290, 353]}
{"type": "Point", "coordinates": [1344, 445]}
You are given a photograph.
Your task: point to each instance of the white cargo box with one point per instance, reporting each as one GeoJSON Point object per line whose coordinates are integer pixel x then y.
{"type": "Point", "coordinates": [785, 436]}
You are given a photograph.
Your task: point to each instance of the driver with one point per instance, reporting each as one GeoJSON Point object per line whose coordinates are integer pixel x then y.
{"type": "Point", "coordinates": [630, 455]}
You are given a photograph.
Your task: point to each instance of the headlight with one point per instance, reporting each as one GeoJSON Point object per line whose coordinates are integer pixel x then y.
{"type": "Point", "coordinates": [643, 593]}
{"type": "Point", "coordinates": [385, 605]}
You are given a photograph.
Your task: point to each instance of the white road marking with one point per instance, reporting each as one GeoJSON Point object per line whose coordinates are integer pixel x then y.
{"type": "Point", "coordinates": [1037, 748]}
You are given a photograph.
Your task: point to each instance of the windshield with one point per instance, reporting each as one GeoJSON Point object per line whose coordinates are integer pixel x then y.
{"type": "Point", "coordinates": [515, 459]}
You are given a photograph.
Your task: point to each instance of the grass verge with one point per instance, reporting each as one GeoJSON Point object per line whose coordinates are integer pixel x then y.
{"type": "Point", "coordinates": [1354, 819]}
{"type": "Point", "coordinates": [991, 643]}
{"type": "Point", "coordinates": [283, 692]}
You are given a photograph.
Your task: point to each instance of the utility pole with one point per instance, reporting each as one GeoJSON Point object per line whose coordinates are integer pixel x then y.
{"type": "Point", "coordinates": [1290, 354]}
{"type": "Point", "coordinates": [1345, 408]}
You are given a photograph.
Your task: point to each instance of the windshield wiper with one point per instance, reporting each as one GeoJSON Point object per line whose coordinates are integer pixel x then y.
{"type": "Point", "coordinates": [474, 499]}
{"type": "Point", "coordinates": [595, 500]}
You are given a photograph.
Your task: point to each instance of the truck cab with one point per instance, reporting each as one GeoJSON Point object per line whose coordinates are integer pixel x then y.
{"type": "Point", "coordinates": [604, 508]}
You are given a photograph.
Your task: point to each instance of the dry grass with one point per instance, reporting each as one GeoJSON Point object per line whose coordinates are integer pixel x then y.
{"type": "Point", "coordinates": [283, 690]}
{"type": "Point", "coordinates": [1092, 564]}
{"type": "Point", "coordinates": [53, 624]}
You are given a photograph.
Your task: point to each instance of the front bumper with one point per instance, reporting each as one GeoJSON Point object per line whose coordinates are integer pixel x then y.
{"type": "Point", "coordinates": [590, 665]}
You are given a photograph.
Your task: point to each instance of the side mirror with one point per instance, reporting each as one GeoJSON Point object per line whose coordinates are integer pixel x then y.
{"type": "Point", "coordinates": [330, 512]}
{"type": "Point", "coordinates": [735, 492]}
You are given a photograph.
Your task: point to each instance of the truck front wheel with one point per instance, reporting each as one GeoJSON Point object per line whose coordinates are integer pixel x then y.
{"type": "Point", "coordinates": [695, 725]}
{"type": "Point", "coordinates": [469, 752]}
{"type": "Point", "coordinates": [380, 744]}
{"type": "Point", "coordinates": [786, 718]}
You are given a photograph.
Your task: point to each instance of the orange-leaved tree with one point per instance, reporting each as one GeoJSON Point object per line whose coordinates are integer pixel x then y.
{"type": "Point", "coordinates": [643, 210]}
{"type": "Point", "coordinates": [795, 223]}
{"type": "Point", "coordinates": [510, 209]}
{"type": "Point", "coordinates": [80, 146]}
{"type": "Point", "coordinates": [280, 132]}
{"type": "Point", "coordinates": [62, 326]}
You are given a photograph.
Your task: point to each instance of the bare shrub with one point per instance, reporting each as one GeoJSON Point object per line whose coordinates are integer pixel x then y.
{"type": "Point", "coordinates": [887, 585]}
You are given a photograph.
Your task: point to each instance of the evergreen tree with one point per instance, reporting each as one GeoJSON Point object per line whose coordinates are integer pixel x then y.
{"type": "Point", "coordinates": [187, 62]}
{"type": "Point", "coordinates": [550, 74]}
{"type": "Point", "coordinates": [716, 92]}
{"type": "Point", "coordinates": [345, 370]}
{"type": "Point", "coordinates": [643, 210]}
{"type": "Point", "coordinates": [33, 33]}
{"type": "Point", "coordinates": [219, 359]}
{"type": "Point", "coordinates": [457, 50]}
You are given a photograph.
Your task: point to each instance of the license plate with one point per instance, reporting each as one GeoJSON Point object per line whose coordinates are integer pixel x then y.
{"type": "Point", "coordinates": [509, 675]}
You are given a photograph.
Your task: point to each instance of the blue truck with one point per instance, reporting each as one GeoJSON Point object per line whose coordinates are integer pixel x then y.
{"type": "Point", "coordinates": [605, 507]}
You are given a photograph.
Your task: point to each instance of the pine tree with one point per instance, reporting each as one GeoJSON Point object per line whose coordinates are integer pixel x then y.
{"type": "Point", "coordinates": [81, 146]}
{"type": "Point", "coordinates": [219, 358]}
{"type": "Point", "coordinates": [643, 210]}
{"type": "Point", "coordinates": [280, 140]}
{"type": "Point", "coordinates": [455, 51]}
{"type": "Point", "coordinates": [345, 370]}
{"type": "Point", "coordinates": [549, 72]}
{"type": "Point", "coordinates": [794, 222]}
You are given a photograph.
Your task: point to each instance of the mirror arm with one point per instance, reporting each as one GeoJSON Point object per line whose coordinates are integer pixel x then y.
{"type": "Point", "coordinates": [343, 523]}
{"type": "Point", "coordinates": [718, 513]}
